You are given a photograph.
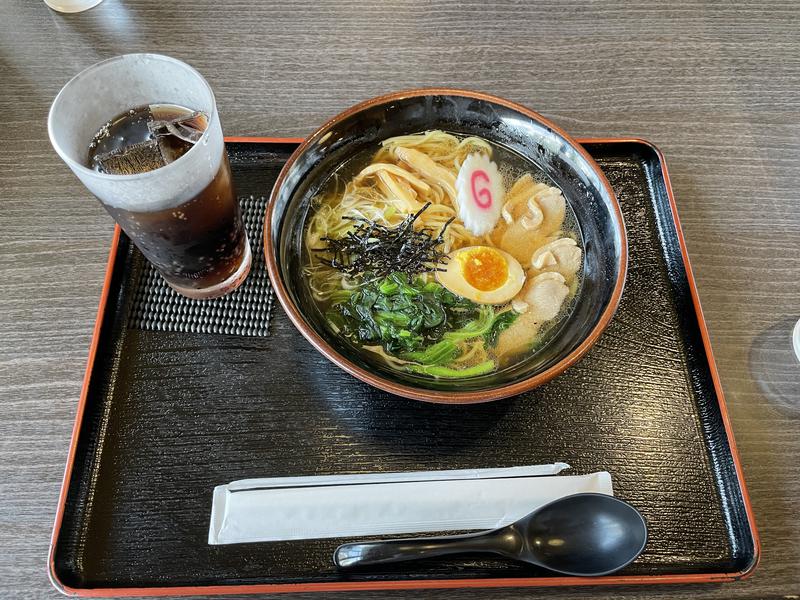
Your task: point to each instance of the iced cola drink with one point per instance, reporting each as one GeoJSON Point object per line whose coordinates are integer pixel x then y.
{"type": "Point", "coordinates": [142, 133]}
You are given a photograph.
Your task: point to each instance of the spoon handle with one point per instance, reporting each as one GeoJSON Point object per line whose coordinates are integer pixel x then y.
{"type": "Point", "coordinates": [391, 551]}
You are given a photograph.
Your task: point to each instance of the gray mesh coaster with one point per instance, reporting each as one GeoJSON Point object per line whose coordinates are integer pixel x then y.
{"type": "Point", "coordinates": [247, 311]}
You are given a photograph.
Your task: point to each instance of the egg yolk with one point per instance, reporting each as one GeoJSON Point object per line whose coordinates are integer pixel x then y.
{"type": "Point", "coordinates": [484, 269]}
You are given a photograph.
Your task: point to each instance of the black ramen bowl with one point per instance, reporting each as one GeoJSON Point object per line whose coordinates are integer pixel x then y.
{"type": "Point", "coordinates": [503, 123]}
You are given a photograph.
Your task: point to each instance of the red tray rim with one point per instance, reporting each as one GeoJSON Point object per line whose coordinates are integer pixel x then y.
{"type": "Point", "coordinates": [272, 588]}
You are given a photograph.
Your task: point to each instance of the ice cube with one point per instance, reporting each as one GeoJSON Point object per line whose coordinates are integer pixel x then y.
{"type": "Point", "coordinates": [136, 158]}
{"type": "Point", "coordinates": [189, 128]}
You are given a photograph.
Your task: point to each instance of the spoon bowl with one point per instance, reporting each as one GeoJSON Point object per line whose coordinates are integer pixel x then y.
{"type": "Point", "coordinates": [584, 535]}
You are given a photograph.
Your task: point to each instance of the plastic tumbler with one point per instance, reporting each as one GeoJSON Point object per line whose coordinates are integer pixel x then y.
{"type": "Point", "coordinates": [183, 216]}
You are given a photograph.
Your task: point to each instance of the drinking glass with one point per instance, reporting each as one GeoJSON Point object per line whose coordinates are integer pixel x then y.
{"type": "Point", "coordinates": [183, 216]}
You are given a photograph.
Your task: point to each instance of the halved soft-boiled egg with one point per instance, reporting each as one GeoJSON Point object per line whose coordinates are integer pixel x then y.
{"type": "Point", "coordinates": [483, 274]}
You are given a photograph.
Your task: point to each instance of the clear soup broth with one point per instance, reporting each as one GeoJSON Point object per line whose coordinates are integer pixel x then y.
{"type": "Point", "coordinates": [442, 255]}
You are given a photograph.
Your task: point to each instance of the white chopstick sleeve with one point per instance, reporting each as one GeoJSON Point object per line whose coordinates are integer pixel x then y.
{"type": "Point", "coordinates": [296, 508]}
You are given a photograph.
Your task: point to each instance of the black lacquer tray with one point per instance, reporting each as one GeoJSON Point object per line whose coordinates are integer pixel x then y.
{"type": "Point", "coordinates": [181, 396]}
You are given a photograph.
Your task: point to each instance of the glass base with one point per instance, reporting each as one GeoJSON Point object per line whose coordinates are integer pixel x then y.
{"type": "Point", "coordinates": [71, 6]}
{"type": "Point", "coordinates": [222, 288]}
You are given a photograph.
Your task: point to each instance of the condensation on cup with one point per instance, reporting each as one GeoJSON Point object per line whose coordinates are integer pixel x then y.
{"type": "Point", "coordinates": [142, 133]}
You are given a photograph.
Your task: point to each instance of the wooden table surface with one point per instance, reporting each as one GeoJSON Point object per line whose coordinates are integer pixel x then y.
{"type": "Point", "coordinates": [715, 85]}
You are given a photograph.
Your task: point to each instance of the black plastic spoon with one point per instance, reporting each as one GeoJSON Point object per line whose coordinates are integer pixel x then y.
{"type": "Point", "coordinates": [583, 534]}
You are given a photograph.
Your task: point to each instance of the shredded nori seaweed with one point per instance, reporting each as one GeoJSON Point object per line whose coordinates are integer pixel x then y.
{"type": "Point", "coordinates": [380, 250]}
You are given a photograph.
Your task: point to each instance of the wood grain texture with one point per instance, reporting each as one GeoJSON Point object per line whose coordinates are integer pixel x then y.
{"type": "Point", "coordinates": [713, 84]}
